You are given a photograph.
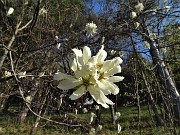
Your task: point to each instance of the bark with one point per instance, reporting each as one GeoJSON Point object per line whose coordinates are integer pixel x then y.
{"type": "Point", "coordinates": [112, 114]}
{"type": "Point", "coordinates": [164, 75]}
{"type": "Point", "coordinates": [98, 117]}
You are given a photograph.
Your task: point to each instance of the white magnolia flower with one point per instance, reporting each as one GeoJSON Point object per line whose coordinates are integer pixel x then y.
{"type": "Point", "coordinates": [42, 11]}
{"type": "Point", "coordinates": [93, 75]}
{"type": "Point", "coordinates": [133, 15]}
{"type": "Point", "coordinates": [118, 114]}
{"type": "Point", "coordinates": [91, 29]}
{"type": "Point", "coordinates": [113, 52]}
{"type": "Point", "coordinates": [58, 45]}
{"type": "Point", "coordinates": [10, 11]}
{"type": "Point", "coordinates": [137, 24]}
{"type": "Point", "coordinates": [167, 8]}
{"type": "Point", "coordinates": [7, 73]}
{"type": "Point", "coordinates": [139, 7]}
{"type": "Point", "coordinates": [119, 128]}
{"type": "Point", "coordinates": [28, 99]}
{"type": "Point", "coordinates": [85, 110]}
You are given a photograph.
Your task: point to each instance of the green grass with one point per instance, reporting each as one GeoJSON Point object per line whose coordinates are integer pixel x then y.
{"type": "Point", "coordinates": [128, 120]}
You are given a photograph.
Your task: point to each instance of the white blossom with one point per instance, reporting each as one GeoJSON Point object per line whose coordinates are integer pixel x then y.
{"type": "Point", "coordinates": [92, 74]}
{"type": "Point", "coordinates": [139, 7]}
{"type": "Point", "coordinates": [42, 11]}
{"type": "Point", "coordinates": [167, 8]}
{"type": "Point", "coordinates": [28, 99]}
{"type": "Point", "coordinates": [85, 110]}
{"type": "Point", "coordinates": [118, 114]}
{"type": "Point", "coordinates": [137, 24]}
{"type": "Point", "coordinates": [7, 73]}
{"type": "Point", "coordinates": [97, 107]}
{"type": "Point", "coordinates": [91, 29]}
{"type": "Point", "coordinates": [58, 45]}
{"type": "Point", "coordinates": [113, 52]}
{"type": "Point", "coordinates": [10, 11]}
{"type": "Point", "coordinates": [133, 15]}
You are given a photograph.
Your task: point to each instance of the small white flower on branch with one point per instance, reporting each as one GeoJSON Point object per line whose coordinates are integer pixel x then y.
{"type": "Point", "coordinates": [136, 25]}
{"type": "Point", "coordinates": [85, 110]}
{"type": "Point", "coordinates": [167, 8]}
{"type": "Point", "coordinates": [139, 7]}
{"type": "Point", "coordinates": [113, 52]}
{"type": "Point", "coordinates": [133, 15]}
{"type": "Point", "coordinates": [28, 99]}
{"type": "Point", "coordinates": [7, 73]}
{"type": "Point", "coordinates": [42, 11]}
{"type": "Point", "coordinates": [91, 29]}
{"type": "Point", "coordinates": [58, 46]}
{"type": "Point", "coordinates": [118, 114]}
{"type": "Point", "coordinates": [97, 107]}
{"type": "Point", "coordinates": [10, 11]}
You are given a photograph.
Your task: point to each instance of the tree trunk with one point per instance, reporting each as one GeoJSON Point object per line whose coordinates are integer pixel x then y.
{"type": "Point", "coordinates": [164, 75]}
{"type": "Point", "coordinates": [153, 104]}
{"type": "Point", "coordinates": [112, 114]}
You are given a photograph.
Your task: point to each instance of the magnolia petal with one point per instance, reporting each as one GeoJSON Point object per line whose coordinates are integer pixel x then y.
{"type": "Point", "coordinates": [117, 61]}
{"type": "Point", "coordinates": [114, 89]}
{"type": "Point", "coordinates": [113, 71]}
{"type": "Point", "coordinates": [104, 88]}
{"type": "Point", "coordinates": [77, 52]}
{"type": "Point", "coordinates": [60, 76]}
{"type": "Point", "coordinates": [99, 96]}
{"type": "Point", "coordinates": [78, 93]}
{"type": "Point", "coordinates": [107, 65]}
{"type": "Point", "coordinates": [69, 84]}
{"type": "Point", "coordinates": [74, 65]}
{"type": "Point", "coordinates": [86, 54]}
{"type": "Point", "coordinates": [115, 78]}
{"type": "Point", "coordinates": [102, 56]}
